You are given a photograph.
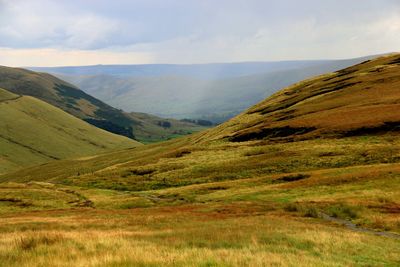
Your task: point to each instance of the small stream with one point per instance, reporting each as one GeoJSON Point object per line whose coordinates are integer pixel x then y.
{"type": "Point", "coordinates": [356, 228]}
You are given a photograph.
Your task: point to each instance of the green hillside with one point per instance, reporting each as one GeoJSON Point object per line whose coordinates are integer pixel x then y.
{"type": "Point", "coordinates": [307, 177]}
{"type": "Point", "coordinates": [76, 102]}
{"type": "Point", "coordinates": [34, 132]}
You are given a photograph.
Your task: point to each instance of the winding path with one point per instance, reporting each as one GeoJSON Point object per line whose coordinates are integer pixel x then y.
{"type": "Point", "coordinates": [356, 228]}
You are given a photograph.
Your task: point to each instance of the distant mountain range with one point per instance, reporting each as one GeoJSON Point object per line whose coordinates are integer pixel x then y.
{"type": "Point", "coordinates": [214, 92]}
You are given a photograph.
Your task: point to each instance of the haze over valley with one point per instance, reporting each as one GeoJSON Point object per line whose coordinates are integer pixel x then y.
{"type": "Point", "coordinates": [214, 92]}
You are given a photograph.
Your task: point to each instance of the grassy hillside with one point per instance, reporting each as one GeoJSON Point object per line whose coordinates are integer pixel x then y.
{"type": "Point", "coordinates": [308, 177]}
{"type": "Point", "coordinates": [359, 100]}
{"type": "Point", "coordinates": [34, 132]}
{"type": "Point", "coordinates": [76, 102]}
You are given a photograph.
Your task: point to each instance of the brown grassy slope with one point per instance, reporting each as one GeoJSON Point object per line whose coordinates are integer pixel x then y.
{"type": "Point", "coordinates": [361, 99]}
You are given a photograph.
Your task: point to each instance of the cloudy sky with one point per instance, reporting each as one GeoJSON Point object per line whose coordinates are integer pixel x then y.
{"type": "Point", "coordinates": [85, 32]}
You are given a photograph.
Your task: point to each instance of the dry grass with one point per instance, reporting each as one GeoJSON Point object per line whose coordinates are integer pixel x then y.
{"type": "Point", "coordinates": [205, 201]}
{"type": "Point", "coordinates": [178, 238]}
{"type": "Point", "coordinates": [244, 222]}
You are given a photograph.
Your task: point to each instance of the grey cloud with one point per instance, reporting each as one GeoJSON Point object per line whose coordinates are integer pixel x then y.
{"type": "Point", "coordinates": [204, 30]}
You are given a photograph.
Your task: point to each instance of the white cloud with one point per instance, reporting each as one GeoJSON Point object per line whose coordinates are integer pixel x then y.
{"type": "Point", "coordinates": [90, 31]}
{"type": "Point", "coordinates": [306, 39]}
{"type": "Point", "coordinates": [175, 31]}
{"type": "Point", "coordinates": [56, 57]}
{"type": "Point", "coordinates": [46, 24]}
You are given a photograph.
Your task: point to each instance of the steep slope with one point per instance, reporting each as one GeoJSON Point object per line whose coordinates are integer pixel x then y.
{"type": "Point", "coordinates": [64, 96]}
{"type": "Point", "coordinates": [34, 132]}
{"type": "Point", "coordinates": [178, 92]}
{"type": "Point", "coordinates": [362, 99]}
{"type": "Point", "coordinates": [76, 102]}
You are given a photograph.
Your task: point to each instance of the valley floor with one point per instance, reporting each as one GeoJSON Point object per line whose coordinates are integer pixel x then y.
{"type": "Point", "coordinates": [273, 220]}
{"type": "Point", "coordinates": [186, 236]}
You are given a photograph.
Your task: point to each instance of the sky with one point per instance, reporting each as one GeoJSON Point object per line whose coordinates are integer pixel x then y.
{"type": "Point", "coordinates": [88, 32]}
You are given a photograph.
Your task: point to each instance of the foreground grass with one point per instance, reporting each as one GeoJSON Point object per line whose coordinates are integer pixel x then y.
{"type": "Point", "coordinates": [263, 221]}
{"type": "Point", "coordinates": [183, 237]}
{"type": "Point", "coordinates": [225, 204]}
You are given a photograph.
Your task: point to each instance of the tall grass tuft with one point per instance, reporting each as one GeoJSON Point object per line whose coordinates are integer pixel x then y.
{"type": "Point", "coordinates": [34, 240]}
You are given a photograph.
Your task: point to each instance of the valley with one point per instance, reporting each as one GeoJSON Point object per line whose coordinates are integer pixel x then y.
{"type": "Point", "coordinates": [275, 185]}
{"type": "Point", "coordinates": [215, 92]}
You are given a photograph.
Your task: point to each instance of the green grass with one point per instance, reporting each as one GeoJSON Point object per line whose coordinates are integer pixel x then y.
{"type": "Point", "coordinates": [34, 132]}
{"type": "Point", "coordinates": [147, 129]}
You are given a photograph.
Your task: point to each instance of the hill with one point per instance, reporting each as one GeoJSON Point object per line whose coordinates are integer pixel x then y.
{"type": "Point", "coordinates": [34, 132]}
{"type": "Point", "coordinates": [356, 101]}
{"type": "Point", "coordinates": [307, 177]}
{"type": "Point", "coordinates": [216, 92]}
{"type": "Point", "coordinates": [359, 100]}
{"type": "Point", "coordinates": [76, 102]}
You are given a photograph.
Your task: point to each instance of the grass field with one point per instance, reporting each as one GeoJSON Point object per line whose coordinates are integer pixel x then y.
{"type": "Point", "coordinates": [228, 210]}
{"type": "Point", "coordinates": [323, 194]}
{"type": "Point", "coordinates": [263, 221]}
